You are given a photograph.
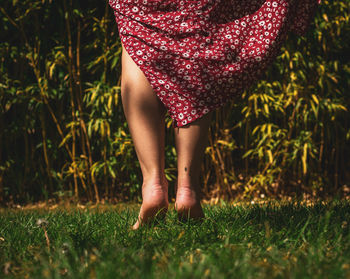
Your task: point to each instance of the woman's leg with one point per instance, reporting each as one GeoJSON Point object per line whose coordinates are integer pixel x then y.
{"type": "Point", "coordinates": [191, 141]}
{"type": "Point", "coordinates": [145, 115]}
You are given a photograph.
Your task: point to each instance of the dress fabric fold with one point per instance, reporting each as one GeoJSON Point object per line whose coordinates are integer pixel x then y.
{"type": "Point", "coordinates": [198, 55]}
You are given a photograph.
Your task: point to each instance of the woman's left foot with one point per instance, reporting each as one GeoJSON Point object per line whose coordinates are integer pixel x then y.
{"type": "Point", "coordinates": [155, 203]}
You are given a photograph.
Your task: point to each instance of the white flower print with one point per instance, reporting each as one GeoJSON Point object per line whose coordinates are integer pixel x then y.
{"type": "Point", "coordinates": [191, 71]}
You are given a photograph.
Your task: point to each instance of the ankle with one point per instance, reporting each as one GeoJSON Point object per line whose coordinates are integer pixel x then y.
{"type": "Point", "coordinates": [155, 180]}
{"type": "Point", "coordinates": [187, 185]}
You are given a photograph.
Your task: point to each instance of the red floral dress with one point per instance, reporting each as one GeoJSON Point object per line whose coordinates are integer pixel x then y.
{"type": "Point", "coordinates": [197, 55]}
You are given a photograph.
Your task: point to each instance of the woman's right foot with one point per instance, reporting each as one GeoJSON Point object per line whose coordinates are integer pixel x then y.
{"type": "Point", "coordinates": [188, 204]}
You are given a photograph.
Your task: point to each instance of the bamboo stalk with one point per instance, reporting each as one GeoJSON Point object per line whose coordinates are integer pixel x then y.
{"type": "Point", "coordinates": [1, 160]}
{"type": "Point", "coordinates": [336, 165]}
{"type": "Point", "coordinates": [246, 133]}
{"type": "Point", "coordinates": [76, 77]}
{"type": "Point", "coordinates": [79, 101]}
{"type": "Point", "coordinates": [320, 157]}
{"type": "Point", "coordinates": [105, 68]}
{"type": "Point", "coordinates": [105, 62]}
{"type": "Point", "coordinates": [26, 153]}
{"type": "Point", "coordinates": [285, 151]}
{"type": "Point", "coordinates": [72, 103]}
{"type": "Point", "coordinates": [46, 157]}
{"type": "Point", "coordinates": [86, 138]}
{"type": "Point", "coordinates": [104, 155]}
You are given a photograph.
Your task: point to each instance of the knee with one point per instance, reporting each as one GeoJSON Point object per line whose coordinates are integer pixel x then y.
{"type": "Point", "coordinates": [125, 87]}
{"type": "Point", "coordinates": [143, 98]}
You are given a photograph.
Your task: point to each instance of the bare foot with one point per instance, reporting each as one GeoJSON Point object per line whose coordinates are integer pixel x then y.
{"type": "Point", "coordinates": [155, 203]}
{"type": "Point", "coordinates": [188, 204]}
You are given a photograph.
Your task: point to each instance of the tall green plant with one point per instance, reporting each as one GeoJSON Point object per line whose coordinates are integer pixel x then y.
{"type": "Point", "coordinates": [294, 122]}
{"type": "Point", "coordinates": [62, 129]}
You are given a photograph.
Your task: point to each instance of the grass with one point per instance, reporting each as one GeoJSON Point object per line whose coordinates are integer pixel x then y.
{"type": "Point", "coordinates": [273, 240]}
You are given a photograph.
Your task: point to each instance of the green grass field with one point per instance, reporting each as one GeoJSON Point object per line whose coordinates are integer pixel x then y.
{"type": "Point", "coordinates": [256, 241]}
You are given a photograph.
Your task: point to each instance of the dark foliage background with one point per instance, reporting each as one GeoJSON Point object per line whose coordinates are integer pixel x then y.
{"type": "Point", "coordinates": [63, 133]}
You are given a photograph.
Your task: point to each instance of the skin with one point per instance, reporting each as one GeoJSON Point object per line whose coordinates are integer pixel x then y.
{"type": "Point", "coordinates": [145, 115]}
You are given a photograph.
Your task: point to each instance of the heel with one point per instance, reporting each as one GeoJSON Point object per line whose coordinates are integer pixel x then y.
{"type": "Point", "coordinates": [186, 213]}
